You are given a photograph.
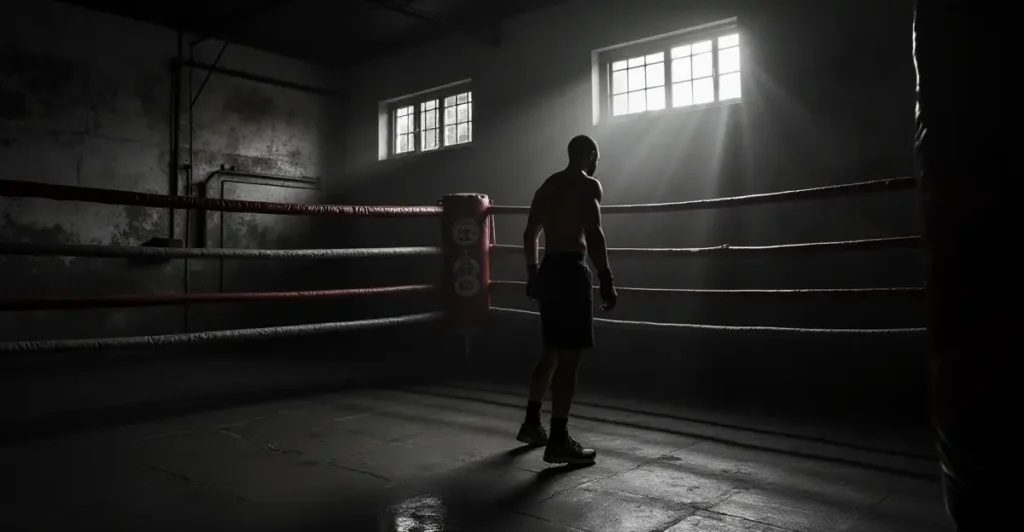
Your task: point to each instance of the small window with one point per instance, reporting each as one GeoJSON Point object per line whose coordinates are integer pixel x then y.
{"type": "Point", "coordinates": [430, 121]}
{"type": "Point", "coordinates": [684, 70]}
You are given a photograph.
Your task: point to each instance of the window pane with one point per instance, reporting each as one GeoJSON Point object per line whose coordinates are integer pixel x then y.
{"type": "Point", "coordinates": [449, 135]}
{"type": "Point", "coordinates": [619, 82]}
{"type": "Point", "coordinates": [656, 99]}
{"type": "Point", "coordinates": [656, 58]}
{"type": "Point", "coordinates": [636, 79]}
{"type": "Point", "coordinates": [702, 65]}
{"type": "Point", "coordinates": [620, 105]}
{"type": "Point", "coordinates": [470, 126]}
{"type": "Point", "coordinates": [429, 140]}
{"type": "Point", "coordinates": [682, 94]}
{"type": "Point", "coordinates": [656, 75]}
{"type": "Point", "coordinates": [463, 133]}
{"type": "Point", "coordinates": [681, 51]}
{"type": "Point", "coordinates": [469, 96]}
{"type": "Point", "coordinates": [430, 119]}
{"type": "Point", "coordinates": [726, 41]}
{"type": "Point", "coordinates": [729, 60]}
{"type": "Point", "coordinates": [618, 65]}
{"type": "Point", "coordinates": [463, 114]}
{"type": "Point", "coordinates": [637, 102]}
{"type": "Point", "coordinates": [430, 104]}
{"type": "Point", "coordinates": [703, 91]}
{"type": "Point", "coordinates": [471, 107]}
{"type": "Point", "coordinates": [681, 69]}
{"type": "Point", "coordinates": [449, 115]}
{"type": "Point", "coordinates": [403, 144]}
{"type": "Point", "coordinates": [636, 62]}
{"type": "Point", "coordinates": [729, 86]}
{"type": "Point", "coordinates": [449, 101]}
{"type": "Point", "coordinates": [463, 98]}
{"type": "Point", "coordinates": [700, 47]}
{"type": "Point", "coordinates": [402, 125]}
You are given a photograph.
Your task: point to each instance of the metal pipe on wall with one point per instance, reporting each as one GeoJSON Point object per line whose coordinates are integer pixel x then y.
{"type": "Point", "coordinates": [179, 63]}
{"type": "Point", "coordinates": [204, 189]}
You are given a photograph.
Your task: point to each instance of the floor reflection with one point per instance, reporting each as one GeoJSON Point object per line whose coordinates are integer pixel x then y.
{"type": "Point", "coordinates": [418, 514]}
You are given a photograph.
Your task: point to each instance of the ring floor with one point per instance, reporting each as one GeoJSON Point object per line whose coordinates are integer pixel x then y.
{"type": "Point", "coordinates": [443, 458]}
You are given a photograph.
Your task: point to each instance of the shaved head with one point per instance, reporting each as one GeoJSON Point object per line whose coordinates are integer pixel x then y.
{"type": "Point", "coordinates": [583, 154]}
{"type": "Point", "coordinates": [581, 147]}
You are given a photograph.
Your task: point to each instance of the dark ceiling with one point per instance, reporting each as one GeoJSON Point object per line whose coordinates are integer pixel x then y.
{"type": "Point", "coordinates": [338, 33]}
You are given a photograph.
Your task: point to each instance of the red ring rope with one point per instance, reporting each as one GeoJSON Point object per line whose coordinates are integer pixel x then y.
{"type": "Point", "coordinates": [103, 251]}
{"type": "Point", "coordinates": [25, 189]}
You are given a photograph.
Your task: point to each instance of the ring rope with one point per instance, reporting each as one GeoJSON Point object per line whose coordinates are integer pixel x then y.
{"type": "Point", "coordinates": [647, 325]}
{"type": "Point", "coordinates": [211, 337]}
{"type": "Point", "coordinates": [26, 189]}
{"type": "Point", "coordinates": [104, 251]}
{"type": "Point", "coordinates": [153, 300]}
{"type": "Point", "coordinates": [726, 249]}
{"type": "Point", "coordinates": [899, 290]}
{"type": "Point", "coordinates": [817, 193]}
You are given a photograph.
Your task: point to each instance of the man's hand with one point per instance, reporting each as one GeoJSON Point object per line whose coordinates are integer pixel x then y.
{"type": "Point", "coordinates": [531, 281]}
{"type": "Point", "coordinates": [608, 294]}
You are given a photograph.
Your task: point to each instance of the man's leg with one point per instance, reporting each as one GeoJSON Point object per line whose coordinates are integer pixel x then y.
{"type": "Point", "coordinates": [532, 431]}
{"type": "Point", "coordinates": [562, 448]}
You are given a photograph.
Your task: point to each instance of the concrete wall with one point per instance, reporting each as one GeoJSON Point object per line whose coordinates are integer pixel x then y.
{"type": "Point", "coordinates": [87, 100]}
{"type": "Point", "coordinates": [828, 98]}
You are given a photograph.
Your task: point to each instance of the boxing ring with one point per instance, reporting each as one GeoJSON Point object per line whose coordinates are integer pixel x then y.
{"type": "Point", "coordinates": [467, 247]}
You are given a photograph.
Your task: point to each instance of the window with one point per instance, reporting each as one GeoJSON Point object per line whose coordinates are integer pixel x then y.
{"type": "Point", "coordinates": [405, 128]}
{"type": "Point", "coordinates": [437, 119]}
{"type": "Point", "coordinates": [678, 71]}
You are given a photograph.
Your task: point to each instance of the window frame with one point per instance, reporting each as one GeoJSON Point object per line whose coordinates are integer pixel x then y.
{"type": "Point", "coordinates": [416, 101]}
{"type": "Point", "coordinates": [665, 44]}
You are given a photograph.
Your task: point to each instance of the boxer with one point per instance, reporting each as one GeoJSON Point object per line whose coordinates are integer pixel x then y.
{"type": "Point", "coordinates": [567, 209]}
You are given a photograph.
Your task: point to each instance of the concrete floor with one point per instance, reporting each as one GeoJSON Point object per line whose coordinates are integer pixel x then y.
{"type": "Point", "coordinates": [443, 458]}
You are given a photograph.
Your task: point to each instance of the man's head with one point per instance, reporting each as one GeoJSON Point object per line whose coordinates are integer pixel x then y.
{"type": "Point", "coordinates": [583, 154]}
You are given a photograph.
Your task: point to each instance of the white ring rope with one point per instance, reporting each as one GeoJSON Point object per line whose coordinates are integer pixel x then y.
{"type": "Point", "coordinates": [211, 337]}
{"type": "Point", "coordinates": [818, 193]}
{"type": "Point", "coordinates": [726, 249]}
{"type": "Point", "coordinates": [898, 290]}
{"type": "Point", "coordinates": [103, 251]}
{"type": "Point", "coordinates": [647, 325]}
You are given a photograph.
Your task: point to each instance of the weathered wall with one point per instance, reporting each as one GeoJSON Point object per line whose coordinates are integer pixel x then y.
{"type": "Point", "coordinates": [827, 99]}
{"type": "Point", "coordinates": [87, 100]}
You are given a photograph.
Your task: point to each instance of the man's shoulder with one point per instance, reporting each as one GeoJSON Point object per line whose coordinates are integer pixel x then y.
{"type": "Point", "coordinates": [593, 187]}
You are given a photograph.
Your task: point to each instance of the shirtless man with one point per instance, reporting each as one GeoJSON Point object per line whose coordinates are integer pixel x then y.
{"type": "Point", "coordinates": [567, 208]}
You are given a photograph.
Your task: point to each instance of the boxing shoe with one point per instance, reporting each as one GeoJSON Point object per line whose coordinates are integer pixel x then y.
{"type": "Point", "coordinates": [565, 450]}
{"type": "Point", "coordinates": [532, 434]}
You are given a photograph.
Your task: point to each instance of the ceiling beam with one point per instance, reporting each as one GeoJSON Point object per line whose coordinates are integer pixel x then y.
{"type": "Point", "coordinates": [488, 34]}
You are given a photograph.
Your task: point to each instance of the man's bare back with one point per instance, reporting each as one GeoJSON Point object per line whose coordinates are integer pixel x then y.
{"type": "Point", "coordinates": [561, 203]}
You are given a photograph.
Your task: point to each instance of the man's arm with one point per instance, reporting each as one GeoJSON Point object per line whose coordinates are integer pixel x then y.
{"type": "Point", "coordinates": [596, 246]}
{"type": "Point", "coordinates": [534, 226]}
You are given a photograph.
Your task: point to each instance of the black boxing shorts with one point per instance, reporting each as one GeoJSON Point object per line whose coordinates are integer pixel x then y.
{"type": "Point", "coordinates": [565, 295]}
